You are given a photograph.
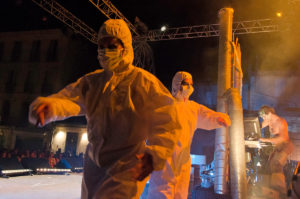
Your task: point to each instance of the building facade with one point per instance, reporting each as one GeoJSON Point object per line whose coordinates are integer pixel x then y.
{"type": "Point", "coordinates": [35, 63]}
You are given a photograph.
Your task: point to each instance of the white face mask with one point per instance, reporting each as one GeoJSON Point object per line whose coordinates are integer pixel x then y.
{"type": "Point", "coordinates": [109, 59]}
{"type": "Point", "coordinates": [185, 93]}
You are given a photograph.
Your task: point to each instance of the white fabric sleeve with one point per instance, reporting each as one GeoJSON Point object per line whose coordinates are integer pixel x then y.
{"type": "Point", "coordinates": [66, 103]}
{"type": "Point", "coordinates": [164, 125]}
{"type": "Point", "coordinates": [207, 118]}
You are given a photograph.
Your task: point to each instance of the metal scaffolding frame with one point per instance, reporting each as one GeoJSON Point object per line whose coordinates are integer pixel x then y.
{"type": "Point", "coordinates": [111, 12]}
{"type": "Point", "coordinates": [212, 30]}
{"type": "Point", "coordinates": [188, 32]}
{"type": "Point", "coordinates": [139, 41]}
{"type": "Point", "coordinates": [68, 18]}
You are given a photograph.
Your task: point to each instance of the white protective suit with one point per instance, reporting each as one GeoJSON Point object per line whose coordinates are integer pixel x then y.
{"type": "Point", "coordinates": [124, 107]}
{"type": "Point", "coordinates": [173, 181]}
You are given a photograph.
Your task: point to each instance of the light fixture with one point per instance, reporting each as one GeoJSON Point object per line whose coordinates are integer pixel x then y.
{"type": "Point", "coordinates": [54, 170]}
{"type": "Point", "coordinates": [84, 137]}
{"type": "Point", "coordinates": [258, 164]}
{"type": "Point", "coordinates": [60, 135]}
{"type": "Point", "coordinates": [15, 171]}
{"type": "Point", "coordinates": [163, 28]}
{"type": "Point", "coordinates": [278, 14]}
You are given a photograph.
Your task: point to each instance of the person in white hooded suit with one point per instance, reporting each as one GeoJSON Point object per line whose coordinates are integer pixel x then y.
{"type": "Point", "coordinates": [172, 181]}
{"type": "Point", "coordinates": [124, 106]}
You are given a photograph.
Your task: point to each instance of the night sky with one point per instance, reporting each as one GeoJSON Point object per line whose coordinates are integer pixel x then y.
{"type": "Point", "coordinates": [198, 56]}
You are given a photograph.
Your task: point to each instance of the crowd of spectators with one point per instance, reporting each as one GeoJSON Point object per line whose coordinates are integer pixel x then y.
{"type": "Point", "coordinates": [54, 160]}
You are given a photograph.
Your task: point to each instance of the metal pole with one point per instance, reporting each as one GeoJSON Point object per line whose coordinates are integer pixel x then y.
{"type": "Point", "coordinates": [237, 164]}
{"type": "Point", "coordinates": [224, 83]}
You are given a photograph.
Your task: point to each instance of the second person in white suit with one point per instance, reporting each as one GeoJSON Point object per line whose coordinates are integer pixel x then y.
{"type": "Point", "coordinates": [173, 180]}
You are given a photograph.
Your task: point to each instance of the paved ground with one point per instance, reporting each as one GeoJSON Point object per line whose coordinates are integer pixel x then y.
{"type": "Point", "coordinates": [41, 187]}
{"type": "Point", "coordinates": [58, 187]}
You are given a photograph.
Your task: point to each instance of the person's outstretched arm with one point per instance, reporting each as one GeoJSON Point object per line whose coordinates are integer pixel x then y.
{"type": "Point", "coordinates": [209, 119]}
{"type": "Point", "coordinates": [66, 103]}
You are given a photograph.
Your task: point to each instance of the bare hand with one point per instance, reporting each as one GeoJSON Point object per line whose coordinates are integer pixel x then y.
{"type": "Point", "coordinates": [143, 168]}
{"type": "Point", "coordinates": [41, 111]}
{"type": "Point", "coordinates": [224, 120]}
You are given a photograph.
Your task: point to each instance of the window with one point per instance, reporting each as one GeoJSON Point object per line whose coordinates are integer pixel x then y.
{"type": "Point", "coordinates": [35, 51]}
{"type": "Point", "coordinates": [11, 82]}
{"type": "Point", "coordinates": [16, 52]}
{"type": "Point", "coordinates": [29, 83]}
{"type": "Point", "coordinates": [52, 51]}
{"type": "Point", "coordinates": [24, 113]}
{"type": "Point", "coordinates": [5, 112]}
{"type": "Point", "coordinates": [47, 84]}
{"type": "Point", "coordinates": [1, 51]}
